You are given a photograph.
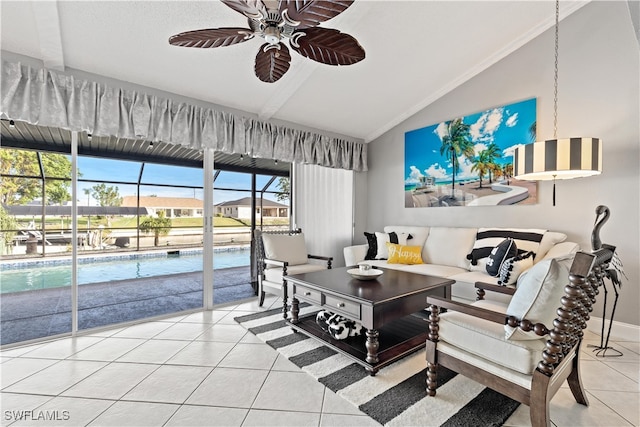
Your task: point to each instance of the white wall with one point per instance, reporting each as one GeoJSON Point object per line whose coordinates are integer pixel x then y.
{"type": "Point", "coordinates": [598, 97]}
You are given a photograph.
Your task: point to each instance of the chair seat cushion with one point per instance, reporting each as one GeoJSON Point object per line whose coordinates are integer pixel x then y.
{"type": "Point", "coordinates": [274, 274]}
{"type": "Point", "coordinates": [487, 339]}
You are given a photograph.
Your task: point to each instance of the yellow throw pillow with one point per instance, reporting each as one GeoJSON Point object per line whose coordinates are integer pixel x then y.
{"type": "Point", "coordinates": [399, 254]}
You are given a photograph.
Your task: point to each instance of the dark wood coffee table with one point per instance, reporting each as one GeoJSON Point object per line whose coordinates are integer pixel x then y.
{"type": "Point", "coordinates": [388, 307]}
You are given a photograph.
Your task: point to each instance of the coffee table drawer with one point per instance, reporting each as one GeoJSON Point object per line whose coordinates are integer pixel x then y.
{"type": "Point", "coordinates": [350, 309]}
{"type": "Point", "coordinates": [308, 295]}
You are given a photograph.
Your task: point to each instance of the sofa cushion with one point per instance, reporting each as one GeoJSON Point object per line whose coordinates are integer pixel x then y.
{"type": "Point", "coordinates": [513, 267]}
{"type": "Point", "coordinates": [372, 241]}
{"type": "Point", "coordinates": [527, 239]}
{"type": "Point", "coordinates": [449, 246]}
{"type": "Point", "coordinates": [383, 238]}
{"type": "Point", "coordinates": [418, 235]}
{"type": "Point", "coordinates": [471, 277]}
{"type": "Point", "coordinates": [487, 339]}
{"type": "Point", "coordinates": [435, 270]}
{"type": "Point", "coordinates": [274, 273]}
{"type": "Point", "coordinates": [549, 240]}
{"type": "Point", "coordinates": [506, 249]}
{"type": "Point", "coordinates": [561, 250]}
{"type": "Point", "coordinates": [285, 247]}
{"type": "Point", "coordinates": [399, 254]}
{"type": "Point", "coordinates": [537, 297]}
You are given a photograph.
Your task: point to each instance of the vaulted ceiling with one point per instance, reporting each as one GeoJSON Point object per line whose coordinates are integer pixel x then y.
{"type": "Point", "coordinates": [416, 52]}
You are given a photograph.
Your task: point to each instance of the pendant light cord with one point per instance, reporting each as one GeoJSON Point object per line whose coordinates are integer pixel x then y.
{"type": "Point", "coordinates": [555, 76]}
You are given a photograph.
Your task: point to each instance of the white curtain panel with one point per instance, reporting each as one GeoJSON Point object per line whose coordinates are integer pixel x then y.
{"type": "Point", "coordinates": [323, 208]}
{"type": "Point", "coordinates": [48, 98]}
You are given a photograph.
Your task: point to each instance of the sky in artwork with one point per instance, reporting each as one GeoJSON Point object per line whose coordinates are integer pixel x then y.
{"type": "Point", "coordinates": [507, 127]}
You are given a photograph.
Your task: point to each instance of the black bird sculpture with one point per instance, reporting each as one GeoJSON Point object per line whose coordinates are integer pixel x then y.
{"type": "Point", "coordinates": [614, 273]}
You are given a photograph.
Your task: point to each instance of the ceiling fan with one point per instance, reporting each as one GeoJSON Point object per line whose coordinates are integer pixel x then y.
{"type": "Point", "coordinates": [275, 21]}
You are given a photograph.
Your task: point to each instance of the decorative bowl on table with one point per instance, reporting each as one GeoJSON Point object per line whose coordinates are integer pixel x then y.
{"type": "Point", "coordinates": [370, 274]}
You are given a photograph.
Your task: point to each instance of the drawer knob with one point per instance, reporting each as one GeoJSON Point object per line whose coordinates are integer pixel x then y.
{"type": "Point", "coordinates": [307, 293]}
{"type": "Point", "coordinates": [340, 304]}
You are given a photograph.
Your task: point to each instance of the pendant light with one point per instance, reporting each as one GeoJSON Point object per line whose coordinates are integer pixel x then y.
{"type": "Point", "coordinates": [555, 158]}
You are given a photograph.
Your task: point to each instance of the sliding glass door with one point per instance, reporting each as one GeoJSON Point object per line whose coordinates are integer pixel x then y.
{"type": "Point", "coordinates": [35, 222]}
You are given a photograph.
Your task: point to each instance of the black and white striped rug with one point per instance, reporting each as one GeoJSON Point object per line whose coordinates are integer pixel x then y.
{"type": "Point", "coordinates": [396, 395]}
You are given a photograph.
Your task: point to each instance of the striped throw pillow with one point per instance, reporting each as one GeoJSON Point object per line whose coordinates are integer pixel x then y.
{"type": "Point", "coordinates": [526, 239]}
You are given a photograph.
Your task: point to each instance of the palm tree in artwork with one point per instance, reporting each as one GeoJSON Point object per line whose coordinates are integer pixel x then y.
{"type": "Point", "coordinates": [481, 164]}
{"type": "Point", "coordinates": [493, 152]}
{"type": "Point", "coordinates": [507, 171]}
{"type": "Point", "coordinates": [495, 172]}
{"type": "Point", "coordinates": [455, 143]}
{"type": "Point", "coordinates": [533, 131]}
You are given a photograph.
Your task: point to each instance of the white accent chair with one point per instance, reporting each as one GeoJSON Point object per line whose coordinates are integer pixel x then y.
{"type": "Point", "coordinates": [280, 253]}
{"type": "Point", "coordinates": [527, 349]}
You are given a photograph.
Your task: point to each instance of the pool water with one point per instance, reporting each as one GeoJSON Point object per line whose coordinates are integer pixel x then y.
{"type": "Point", "coordinates": [58, 275]}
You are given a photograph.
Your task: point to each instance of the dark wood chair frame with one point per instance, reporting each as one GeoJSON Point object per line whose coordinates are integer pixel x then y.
{"type": "Point", "coordinates": [565, 338]}
{"type": "Point", "coordinates": [262, 263]}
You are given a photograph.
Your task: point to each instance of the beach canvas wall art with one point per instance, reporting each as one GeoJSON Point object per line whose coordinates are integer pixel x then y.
{"type": "Point", "coordinates": [468, 161]}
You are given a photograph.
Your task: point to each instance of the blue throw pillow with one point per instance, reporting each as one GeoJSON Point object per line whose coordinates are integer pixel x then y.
{"type": "Point", "coordinates": [505, 250]}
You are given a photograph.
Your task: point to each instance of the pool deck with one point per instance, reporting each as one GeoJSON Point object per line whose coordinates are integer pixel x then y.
{"type": "Point", "coordinates": [40, 313]}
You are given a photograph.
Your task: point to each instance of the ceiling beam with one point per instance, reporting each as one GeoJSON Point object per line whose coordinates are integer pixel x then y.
{"type": "Point", "coordinates": [48, 24]}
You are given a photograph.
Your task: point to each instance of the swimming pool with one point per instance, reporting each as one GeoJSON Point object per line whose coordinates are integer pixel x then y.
{"type": "Point", "coordinates": [45, 275]}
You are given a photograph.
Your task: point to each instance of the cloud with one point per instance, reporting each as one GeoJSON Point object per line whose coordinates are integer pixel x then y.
{"type": "Point", "coordinates": [479, 147]}
{"type": "Point", "coordinates": [508, 152]}
{"type": "Point", "coordinates": [414, 176]}
{"type": "Point", "coordinates": [437, 171]}
{"type": "Point", "coordinates": [441, 130]}
{"type": "Point", "coordinates": [465, 169]}
{"type": "Point", "coordinates": [486, 125]}
{"type": "Point", "coordinates": [512, 120]}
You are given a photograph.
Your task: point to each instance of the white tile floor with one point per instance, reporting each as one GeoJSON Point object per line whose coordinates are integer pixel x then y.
{"type": "Point", "coordinates": [205, 369]}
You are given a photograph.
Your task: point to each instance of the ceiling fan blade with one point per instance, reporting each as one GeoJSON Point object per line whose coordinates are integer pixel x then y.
{"type": "Point", "coordinates": [312, 12]}
{"type": "Point", "coordinates": [250, 8]}
{"type": "Point", "coordinates": [328, 46]}
{"type": "Point", "coordinates": [272, 63]}
{"type": "Point", "coordinates": [214, 37]}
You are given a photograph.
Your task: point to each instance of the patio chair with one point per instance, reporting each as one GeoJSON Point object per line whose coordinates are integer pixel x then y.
{"type": "Point", "coordinates": [527, 349]}
{"type": "Point", "coordinates": [280, 253]}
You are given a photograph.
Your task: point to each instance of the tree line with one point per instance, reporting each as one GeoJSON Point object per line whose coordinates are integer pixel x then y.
{"type": "Point", "coordinates": [22, 180]}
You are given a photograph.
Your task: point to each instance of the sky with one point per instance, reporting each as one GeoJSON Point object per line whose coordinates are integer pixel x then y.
{"type": "Point", "coordinates": [506, 126]}
{"type": "Point", "coordinates": [126, 171]}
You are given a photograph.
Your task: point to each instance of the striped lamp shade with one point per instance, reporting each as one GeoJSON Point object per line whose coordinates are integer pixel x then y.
{"type": "Point", "coordinates": [558, 159]}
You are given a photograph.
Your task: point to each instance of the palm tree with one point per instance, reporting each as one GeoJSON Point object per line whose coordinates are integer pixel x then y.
{"type": "Point", "coordinates": [495, 171]}
{"type": "Point", "coordinates": [493, 153]}
{"type": "Point", "coordinates": [481, 164]}
{"type": "Point", "coordinates": [456, 142]}
{"type": "Point", "coordinates": [507, 171]}
{"type": "Point", "coordinates": [533, 131]}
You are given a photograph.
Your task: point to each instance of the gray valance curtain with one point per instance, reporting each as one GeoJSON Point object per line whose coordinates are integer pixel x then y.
{"type": "Point", "coordinates": [48, 98]}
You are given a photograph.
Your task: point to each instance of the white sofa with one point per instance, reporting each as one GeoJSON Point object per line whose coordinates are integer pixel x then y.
{"type": "Point", "coordinates": [444, 253]}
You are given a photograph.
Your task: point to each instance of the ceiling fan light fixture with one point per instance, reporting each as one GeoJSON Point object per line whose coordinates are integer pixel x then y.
{"type": "Point", "coordinates": [272, 35]}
